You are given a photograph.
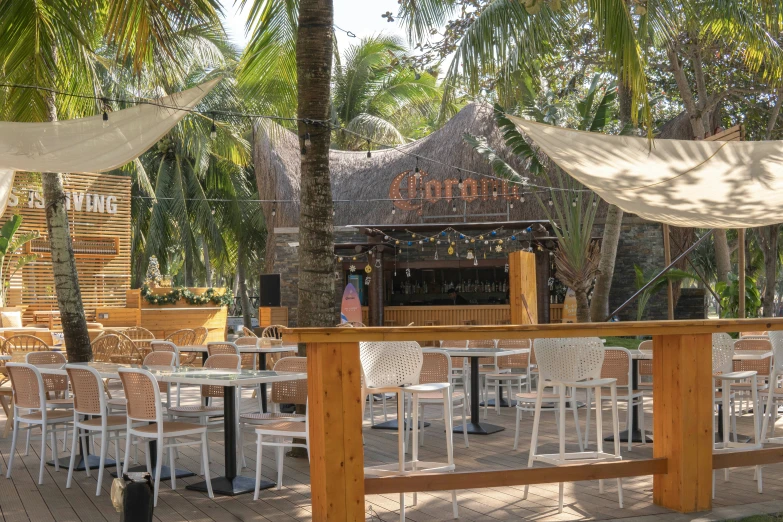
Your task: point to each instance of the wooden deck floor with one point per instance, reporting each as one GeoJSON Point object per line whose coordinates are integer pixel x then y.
{"type": "Point", "coordinates": [21, 498]}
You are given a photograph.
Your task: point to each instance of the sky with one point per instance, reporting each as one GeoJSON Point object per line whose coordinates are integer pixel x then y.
{"type": "Point", "coordinates": [361, 17]}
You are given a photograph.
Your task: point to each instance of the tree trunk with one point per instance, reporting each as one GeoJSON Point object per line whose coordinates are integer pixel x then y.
{"type": "Point", "coordinates": [769, 244]}
{"type": "Point", "coordinates": [207, 264]}
{"type": "Point", "coordinates": [314, 53]}
{"type": "Point", "coordinates": [722, 254]}
{"type": "Point", "coordinates": [582, 306]}
{"type": "Point", "coordinates": [242, 286]}
{"type": "Point", "coordinates": [66, 279]}
{"type": "Point", "coordinates": [188, 269]}
{"type": "Point", "coordinates": [599, 307]}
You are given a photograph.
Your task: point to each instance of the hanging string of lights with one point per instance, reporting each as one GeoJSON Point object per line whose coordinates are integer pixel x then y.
{"type": "Point", "coordinates": [306, 138]}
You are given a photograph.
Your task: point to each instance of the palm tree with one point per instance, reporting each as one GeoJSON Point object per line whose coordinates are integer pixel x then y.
{"type": "Point", "coordinates": [52, 43]}
{"type": "Point", "coordinates": [376, 95]}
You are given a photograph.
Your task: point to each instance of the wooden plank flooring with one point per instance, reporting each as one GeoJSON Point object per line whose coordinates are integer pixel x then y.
{"type": "Point", "coordinates": [22, 499]}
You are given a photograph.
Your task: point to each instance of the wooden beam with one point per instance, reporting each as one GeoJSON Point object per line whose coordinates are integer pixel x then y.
{"type": "Point", "coordinates": [741, 270]}
{"type": "Point", "coordinates": [514, 477]}
{"type": "Point", "coordinates": [335, 413]}
{"type": "Point", "coordinates": [741, 459]}
{"type": "Point", "coordinates": [535, 331]}
{"type": "Point", "coordinates": [682, 420]}
{"type": "Point", "coordinates": [667, 259]}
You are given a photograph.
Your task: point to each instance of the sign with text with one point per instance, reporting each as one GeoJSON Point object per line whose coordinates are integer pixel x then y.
{"type": "Point", "coordinates": [409, 192]}
{"type": "Point", "coordinates": [79, 201]}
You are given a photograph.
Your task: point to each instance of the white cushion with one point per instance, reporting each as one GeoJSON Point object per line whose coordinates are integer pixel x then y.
{"type": "Point", "coordinates": [11, 319]}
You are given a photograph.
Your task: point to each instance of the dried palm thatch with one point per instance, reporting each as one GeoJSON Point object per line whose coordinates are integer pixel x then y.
{"type": "Point", "coordinates": [579, 275]}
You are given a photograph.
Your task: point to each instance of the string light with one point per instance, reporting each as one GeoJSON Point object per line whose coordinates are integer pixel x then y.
{"type": "Point", "coordinates": [369, 154]}
{"type": "Point", "coordinates": [105, 119]}
{"type": "Point", "coordinates": [573, 202]}
{"type": "Point", "coordinates": [416, 172]}
{"type": "Point", "coordinates": [274, 209]}
{"type": "Point", "coordinates": [522, 198]}
{"type": "Point", "coordinates": [212, 130]}
{"type": "Point", "coordinates": [494, 192]}
{"type": "Point", "coordinates": [394, 210]}
{"type": "Point", "coordinates": [550, 200]}
{"type": "Point", "coordinates": [307, 139]}
{"type": "Point", "coordinates": [453, 206]}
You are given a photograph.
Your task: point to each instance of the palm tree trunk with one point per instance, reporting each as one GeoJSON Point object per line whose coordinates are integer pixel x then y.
{"type": "Point", "coordinates": [582, 306]}
{"type": "Point", "coordinates": [769, 244]}
{"type": "Point", "coordinates": [316, 232]}
{"type": "Point", "coordinates": [599, 307]}
{"type": "Point", "coordinates": [722, 254]}
{"type": "Point", "coordinates": [66, 279]}
{"type": "Point", "coordinates": [207, 264]}
{"type": "Point", "coordinates": [242, 286]}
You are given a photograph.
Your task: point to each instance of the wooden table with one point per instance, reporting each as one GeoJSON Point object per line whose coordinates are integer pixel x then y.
{"type": "Point", "coordinates": [475, 427]}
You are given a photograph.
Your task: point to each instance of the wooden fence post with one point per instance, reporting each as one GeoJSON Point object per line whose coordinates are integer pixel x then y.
{"type": "Point", "coordinates": [336, 446]}
{"type": "Point", "coordinates": [682, 420]}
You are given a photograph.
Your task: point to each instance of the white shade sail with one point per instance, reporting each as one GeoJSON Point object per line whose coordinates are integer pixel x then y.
{"type": "Point", "coordinates": [89, 144]}
{"type": "Point", "coordinates": [705, 184]}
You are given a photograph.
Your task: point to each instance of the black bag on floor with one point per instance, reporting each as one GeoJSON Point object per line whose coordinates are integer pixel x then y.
{"type": "Point", "coordinates": [133, 497]}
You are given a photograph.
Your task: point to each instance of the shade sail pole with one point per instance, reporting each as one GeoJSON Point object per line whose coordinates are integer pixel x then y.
{"type": "Point", "coordinates": [741, 270]}
{"type": "Point", "coordinates": [667, 258]}
{"type": "Point", "coordinates": [658, 276]}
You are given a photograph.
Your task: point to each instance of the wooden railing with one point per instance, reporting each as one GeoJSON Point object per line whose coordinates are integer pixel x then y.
{"type": "Point", "coordinates": [682, 462]}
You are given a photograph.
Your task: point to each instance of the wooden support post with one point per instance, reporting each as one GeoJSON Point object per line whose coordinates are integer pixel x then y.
{"type": "Point", "coordinates": [667, 259]}
{"type": "Point", "coordinates": [741, 270]}
{"type": "Point", "coordinates": [522, 292]}
{"type": "Point", "coordinates": [336, 446]}
{"type": "Point", "coordinates": [682, 421]}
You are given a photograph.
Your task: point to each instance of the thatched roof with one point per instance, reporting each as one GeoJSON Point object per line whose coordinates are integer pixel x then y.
{"type": "Point", "coordinates": [356, 177]}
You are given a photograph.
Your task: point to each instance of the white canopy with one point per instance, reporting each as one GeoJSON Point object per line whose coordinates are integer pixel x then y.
{"type": "Point", "coordinates": [705, 184]}
{"type": "Point", "coordinates": [87, 145]}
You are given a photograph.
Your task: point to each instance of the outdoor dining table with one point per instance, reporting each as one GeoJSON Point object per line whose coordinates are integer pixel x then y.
{"type": "Point", "coordinates": [231, 483]}
{"type": "Point", "coordinates": [475, 426]}
{"type": "Point", "coordinates": [262, 351]}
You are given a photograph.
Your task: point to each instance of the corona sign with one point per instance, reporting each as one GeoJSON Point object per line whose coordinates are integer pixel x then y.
{"type": "Point", "coordinates": [409, 192]}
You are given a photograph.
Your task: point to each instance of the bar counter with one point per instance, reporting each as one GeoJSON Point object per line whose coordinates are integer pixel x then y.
{"type": "Point", "coordinates": [446, 315]}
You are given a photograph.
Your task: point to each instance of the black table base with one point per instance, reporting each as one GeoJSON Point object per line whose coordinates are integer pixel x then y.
{"type": "Point", "coordinates": [231, 487]}
{"type": "Point", "coordinates": [478, 429]}
{"type": "Point", "coordinates": [636, 437]}
{"type": "Point", "coordinates": [165, 472]}
{"type": "Point", "coordinates": [636, 411]}
{"type": "Point", "coordinates": [503, 403]}
{"type": "Point", "coordinates": [93, 460]}
{"type": "Point", "coordinates": [231, 484]}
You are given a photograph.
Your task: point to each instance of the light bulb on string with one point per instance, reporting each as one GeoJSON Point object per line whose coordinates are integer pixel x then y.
{"type": "Point", "coordinates": [369, 153]}
{"type": "Point", "coordinates": [453, 206]}
{"type": "Point", "coordinates": [522, 198]}
{"type": "Point", "coordinates": [105, 119]}
{"type": "Point", "coordinates": [307, 141]}
{"type": "Point", "coordinates": [494, 192]}
{"type": "Point", "coordinates": [550, 200]}
{"type": "Point", "coordinates": [511, 205]}
{"type": "Point", "coordinates": [394, 210]}
{"type": "Point", "coordinates": [573, 203]}
{"type": "Point", "coordinates": [459, 183]}
{"type": "Point", "coordinates": [416, 171]}
{"type": "Point", "coordinates": [213, 130]}
{"type": "Point", "coordinates": [334, 210]}
{"type": "Point", "coordinates": [274, 209]}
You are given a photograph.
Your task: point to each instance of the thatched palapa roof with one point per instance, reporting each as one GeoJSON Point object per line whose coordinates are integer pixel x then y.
{"type": "Point", "coordinates": [357, 178]}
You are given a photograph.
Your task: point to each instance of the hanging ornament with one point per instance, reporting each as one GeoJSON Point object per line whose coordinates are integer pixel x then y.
{"type": "Point", "coordinates": [499, 248]}
{"type": "Point", "coordinates": [367, 281]}
{"type": "Point", "coordinates": [469, 255]}
{"type": "Point", "coordinates": [467, 241]}
{"type": "Point", "coordinates": [413, 235]}
{"type": "Point", "coordinates": [493, 233]}
{"type": "Point", "coordinates": [506, 268]}
{"type": "Point", "coordinates": [472, 240]}
{"type": "Point", "coordinates": [377, 263]}
{"type": "Point", "coordinates": [453, 243]}
{"type": "Point", "coordinates": [437, 242]}
{"type": "Point", "coordinates": [337, 276]}
{"type": "Point", "coordinates": [451, 250]}
{"type": "Point", "coordinates": [475, 260]}
{"type": "Point", "coordinates": [500, 241]}
{"type": "Point", "coordinates": [421, 242]}
{"type": "Point", "coordinates": [486, 242]}
{"type": "Point", "coordinates": [397, 242]}
{"type": "Point", "coordinates": [481, 238]}
{"type": "Point", "coordinates": [367, 269]}
{"type": "Point", "coordinates": [407, 272]}
{"type": "Point", "coordinates": [436, 254]}
{"type": "Point", "coordinates": [353, 258]}
{"type": "Point", "coordinates": [410, 243]}
{"type": "Point", "coordinates": [513, 238]}
{"type": "Point", "coordinates": [385, 238]}
{"type": "Point", "coordinates": [352, 268]}
{"type": "Point", "coordinates": [340, 259]}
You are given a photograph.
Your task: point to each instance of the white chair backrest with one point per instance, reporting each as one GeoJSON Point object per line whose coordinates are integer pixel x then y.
{"type": "Point", "coordinates": [722, 353]}
{"type": "Point", "coordinates": [454, 344]}
{"type": "Point", "coordinates": [390, 363]}
{"type": "Point", "coordinates": [569, 360]}
{"type": "Point", "coordinates": [776, 338]}
{"type": "Point", "coordinates": [89, 397]}
{"type": "Point", "coordinates": [436, 367]}
{"type": "Point", "coordinates": [646, 346]}
{"type": "Point", "coordinates": [166, 346]}
{"type": "Point", "coordinates": [617, 365]}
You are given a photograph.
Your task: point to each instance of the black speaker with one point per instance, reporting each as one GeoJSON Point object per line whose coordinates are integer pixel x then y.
{"type": "Point", "coordinates": [270, 290]}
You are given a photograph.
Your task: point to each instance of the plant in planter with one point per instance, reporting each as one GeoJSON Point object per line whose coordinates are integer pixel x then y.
{"type": "Point", "coordinates": [11, 258]}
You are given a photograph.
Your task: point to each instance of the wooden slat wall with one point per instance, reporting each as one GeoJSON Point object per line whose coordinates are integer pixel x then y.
{"type": "Point", "coordinates": [113, 317]}
{"type": "Point", "coordinates": [162, 320]}
{"type": "Point", "coordinates": [268, 316]}
{"type": "Point", "coordinates": [447, 315]}
{"type": "Point", "coordinates": [735, 133]}
{"type": "Point", "coordinates": [103, 278]}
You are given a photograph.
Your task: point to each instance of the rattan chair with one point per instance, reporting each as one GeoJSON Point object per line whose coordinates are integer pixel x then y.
{"type": "Point", "coordinates": [280, 435]}
{"type": "Point", "coordinates": [144, 405]}
{"type": "Point", "coordinates": [218, 348]}
{"type": "Point", "coordinates": [104, 347]}
{"type": "Point", "coordinates": [617, 365]}
{"type": "Point", "coordinates": [168, 346]}
{"type": "Point", "coordinates": [274, 331]}
{"type": "Point", "coordinates": [183, 337]}
{"type": "Point", "coordinates": [91, 415]}
{"type": "Point", "coordinates": [775, 392]}
{"type": "Point", "coordinates": [30, 409]}
{"type": "Point", "coordinates": [153, 359]}
{"type": "Point", "coordinates": [201, 335]}
{"type": "Point", "coordinates": [248, 358]}
{"type": "Point", "coordinates": [510, 371]}
{"type": "Point", "coordinates": [645, 366]}
{"type": "Point", "coordinates": [126, 351]}
{"type": "Point", "coordinates": [762, 367]}
{"type": "Point", "coordinates": [6, 393]}
{"type": "Point", "coordinates": [56, 385]}
{"type": "Point", "coordinates": [459, 365]}
{"type": "Point", "coordinates": [247, 332]}
{"type": "Point", "coordinates": [285, 392]}
{"type": "Point", "coordinates": [202, 412]}
{"type": "Point", "coordinates": [573, 363]}
{"type": "Point", "coordinates": [436, 368]}
{"type": "Point", "coordinates": [19, 345]}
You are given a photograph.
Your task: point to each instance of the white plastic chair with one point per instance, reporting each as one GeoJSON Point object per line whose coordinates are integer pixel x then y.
{"type": "Point", "coordinates": [504, 375]}
{"type": "Point", "coordinates": [395, 367]}
{"type": "Point", "coordinates": [573, 363]}
{"type": "Point", "coordinates": [775, 392]}
{"type": "Point", "coordinates": [722, 370]}
{"type": "Point", "coordinates": [436, 368]}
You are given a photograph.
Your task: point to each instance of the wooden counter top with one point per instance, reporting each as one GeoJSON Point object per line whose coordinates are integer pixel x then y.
{"type": "Point", "coordinates": [434, 333]}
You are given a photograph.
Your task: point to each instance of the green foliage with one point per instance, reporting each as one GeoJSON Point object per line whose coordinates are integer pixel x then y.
{"type": "Point", "coordinates": [173, 297]}
{"type": "Point", "coordinates": [641, 279]}
{"type": "Point", "coordinates": [729, 296]}
{"type": "Point", "coordinates": [7, 233]}
{"type": "Point", "coordinates": [11, 259]}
